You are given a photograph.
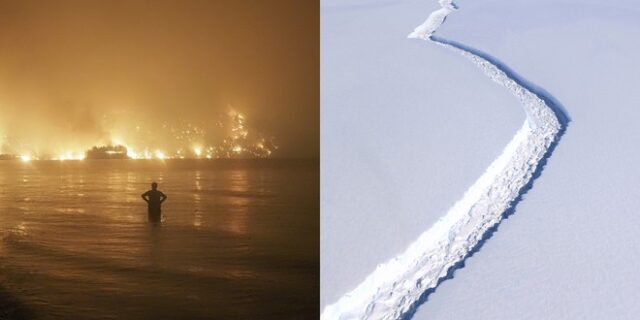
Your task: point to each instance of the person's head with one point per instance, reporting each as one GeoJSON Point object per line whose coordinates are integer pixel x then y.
{"type": "Point", "coordinates": [154, 185]}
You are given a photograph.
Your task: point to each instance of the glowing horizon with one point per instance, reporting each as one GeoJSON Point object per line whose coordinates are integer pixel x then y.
{"type": "Point", "coordinates": [159, 75]}
{"type": "Point", "coordinates": [233, 138]}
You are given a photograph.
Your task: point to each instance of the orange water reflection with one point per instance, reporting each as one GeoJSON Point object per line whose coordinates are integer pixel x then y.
{"type": "Point", "coordinates": [238, 220]}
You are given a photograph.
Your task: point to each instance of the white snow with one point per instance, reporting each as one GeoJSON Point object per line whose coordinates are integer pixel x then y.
{"type": "Point", "coordinates": [394, 287]}
{"type": "Point", "coordinates": [433, 22]}
{"type": "Point", "coordinates": [406, 128]}
{"type": "Point", "coordinates": [571, 249]}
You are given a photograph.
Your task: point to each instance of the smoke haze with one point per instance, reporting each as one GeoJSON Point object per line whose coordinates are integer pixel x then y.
{"type": "Point", "coordinates": [74, 74]}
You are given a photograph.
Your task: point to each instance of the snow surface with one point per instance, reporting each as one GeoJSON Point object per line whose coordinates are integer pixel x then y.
{"type": "Point", "coordinates": [394, 288]}
{"type": "Point", "coordinates": [407, 126]}
{"type": "Point", "coordinates": [571, 249]}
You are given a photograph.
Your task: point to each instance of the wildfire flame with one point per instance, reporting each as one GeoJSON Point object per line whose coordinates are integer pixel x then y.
{"type": "Point", "coordinates": [196, 142]}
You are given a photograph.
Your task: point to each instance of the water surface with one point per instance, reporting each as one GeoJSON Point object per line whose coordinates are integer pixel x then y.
{"type": "Point", "coordinates": [239, 240]}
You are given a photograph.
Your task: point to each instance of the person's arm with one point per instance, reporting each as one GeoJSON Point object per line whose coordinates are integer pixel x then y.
{"type": "Point", "coordinates": [163, 197]}
{"type": "Point", "coordinates": [144, 197]}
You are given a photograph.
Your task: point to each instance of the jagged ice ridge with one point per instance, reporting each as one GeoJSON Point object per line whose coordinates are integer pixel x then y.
{"type": "Point", "coordinates": [395, 286]}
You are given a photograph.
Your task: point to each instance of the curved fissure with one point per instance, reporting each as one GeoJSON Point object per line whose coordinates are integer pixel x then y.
{"type": "Point", "coordinates": [396, 287]}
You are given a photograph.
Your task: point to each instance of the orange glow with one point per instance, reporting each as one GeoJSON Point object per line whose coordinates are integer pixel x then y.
{"type": "Point", "coordinates": [239, 142]}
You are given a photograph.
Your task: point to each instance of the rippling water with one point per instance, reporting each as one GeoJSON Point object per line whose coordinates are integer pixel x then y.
{"type": "Point", "coordinates": [239, 240]}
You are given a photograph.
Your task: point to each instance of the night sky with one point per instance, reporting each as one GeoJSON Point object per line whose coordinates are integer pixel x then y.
{"type": "Point", "coordinates": [74, 74]}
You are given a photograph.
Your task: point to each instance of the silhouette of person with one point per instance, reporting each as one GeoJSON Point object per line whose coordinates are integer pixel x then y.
{"type": "Point", "coordinates": [154, 199]}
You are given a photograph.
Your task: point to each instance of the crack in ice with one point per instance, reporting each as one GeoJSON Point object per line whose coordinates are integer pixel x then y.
{"type": "Point", "coordinates": [394, 289]}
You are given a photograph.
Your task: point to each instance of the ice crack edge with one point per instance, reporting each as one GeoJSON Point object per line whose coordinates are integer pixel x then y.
{"type": "Point", "coordinates": [394, 288]}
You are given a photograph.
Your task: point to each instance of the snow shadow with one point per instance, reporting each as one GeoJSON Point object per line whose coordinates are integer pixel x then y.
{"type": "Point", "coordinates": [548, 99]}
{"type": "Point", "coordinates": [564, 120]}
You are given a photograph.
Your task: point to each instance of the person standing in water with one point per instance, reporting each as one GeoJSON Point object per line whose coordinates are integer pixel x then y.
{"type": "Point", "coordinates": [154, 199]}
